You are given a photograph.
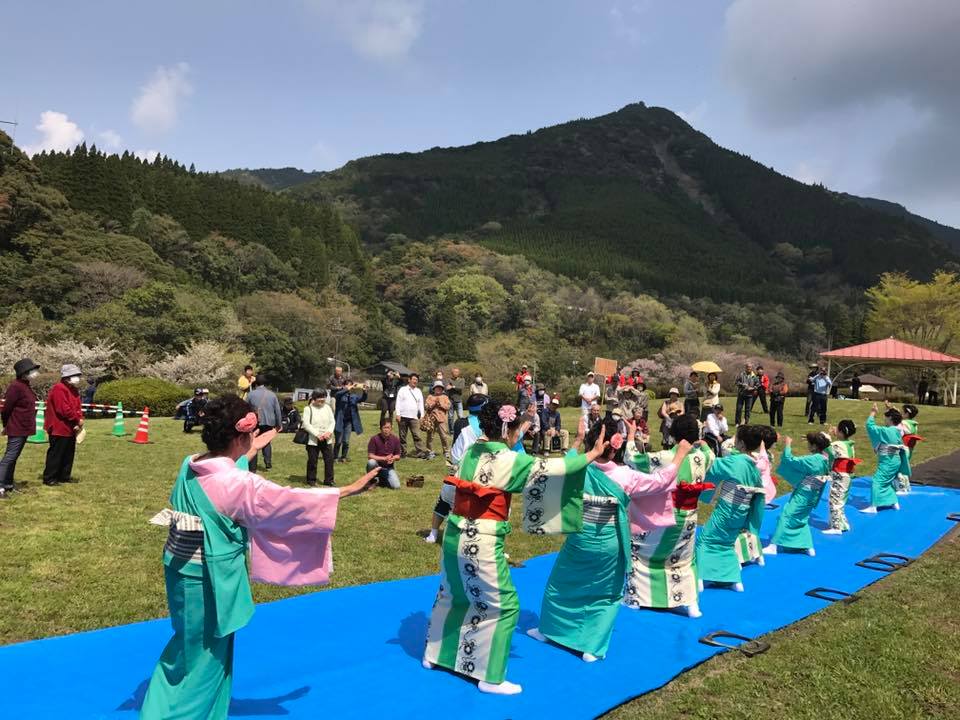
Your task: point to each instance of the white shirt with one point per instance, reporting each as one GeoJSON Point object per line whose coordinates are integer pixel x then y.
{"type": "Point", "coordinates": [717, 426]}
{"type": "Point", "coordinates": [589, 392]}
{"type": "Point", "coordinates": [410, 402]}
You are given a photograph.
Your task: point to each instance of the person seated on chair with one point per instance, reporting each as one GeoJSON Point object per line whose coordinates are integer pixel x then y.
{"type": "Point", "coordinates": [715, 429]}
{"type": "Point", "coordinates": [552, 428]}
{"type": "Point", "coordinates": [289, 416]}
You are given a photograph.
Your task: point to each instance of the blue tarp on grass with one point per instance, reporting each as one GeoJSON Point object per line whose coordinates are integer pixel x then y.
{"type": "Point", "coordinates": [353, 651]}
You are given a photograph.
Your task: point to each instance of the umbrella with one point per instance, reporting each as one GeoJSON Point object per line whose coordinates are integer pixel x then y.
{"type": "Point", "coordinates": [706, 366]}
{"type": "Point", "coordinates": [868, 390]}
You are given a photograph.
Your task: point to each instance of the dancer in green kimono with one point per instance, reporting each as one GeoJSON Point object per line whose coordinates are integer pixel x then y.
{"type": "Point", "coordinates": [218, 508]}
{"type": "Point", "coordinates": [476, 608]}
{"type": "Point", "coordinates": [844, 460]}
{"type": "Point", "coordinates": [908, 431]}
{"type": "Point", "coordinates": [663, 569]}
{"type": "Point", "coordinates": [583, 593]}
{"type": "Point", "coordinates": [808, 475]}
{"type": "Point", "coordinates": [740, 505]}
{"type": "Point", "coordinates": [887, 442]}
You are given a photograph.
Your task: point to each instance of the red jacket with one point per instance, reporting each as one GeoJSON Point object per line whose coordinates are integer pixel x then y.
{"type": "Point", "coordinates": [63, 410]}
{"type": "Point", "coordinates": [19, 412]}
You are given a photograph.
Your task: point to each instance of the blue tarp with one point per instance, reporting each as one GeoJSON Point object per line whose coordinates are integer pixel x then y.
{"type": "Point", "coordinates": [344, 652]}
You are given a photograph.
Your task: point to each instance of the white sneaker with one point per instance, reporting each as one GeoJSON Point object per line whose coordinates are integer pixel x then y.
{"type": "Point", "coordinates": [431, 538]}
{"type": "Point", "coordinates": [872, 510]}
{"type": "Point", "coordinates": [770, 549]}
{"type": "Point", "coordinates": [504, 688]}
{"type": "Point", "coordinates": [832, 531]}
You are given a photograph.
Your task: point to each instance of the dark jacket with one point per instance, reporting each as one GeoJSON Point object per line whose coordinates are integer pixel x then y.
{"type": "Point", "coordinates": [19, 412]}
{"type": "Point", "coordinates": [63, 412]}
{"type": "Point", "coordinates": [347, 411]}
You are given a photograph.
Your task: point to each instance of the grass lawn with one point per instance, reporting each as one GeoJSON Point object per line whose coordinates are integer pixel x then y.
{"type": "Point", "coordinates": [83, 556]}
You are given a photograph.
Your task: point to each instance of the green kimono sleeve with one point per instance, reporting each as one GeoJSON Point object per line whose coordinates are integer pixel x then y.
{"type": "Point", "coordinates": [794, 469]}
{"type": "Point", "coordinates": [552, 493]}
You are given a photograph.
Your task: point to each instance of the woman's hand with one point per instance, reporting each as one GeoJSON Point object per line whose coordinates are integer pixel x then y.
{"type": "Point", "coordinates": [631, 430]}
{"type": "Point", "coordinates": [367, 482]}
{"type": "Point", "coordinates": [261, 440]}
{"type": "Point", "coordinates": [875, 409]}
{"type": "Point", "coordinates": [788, 441]}
{"type": "Point", "coordinates": [683, 449]}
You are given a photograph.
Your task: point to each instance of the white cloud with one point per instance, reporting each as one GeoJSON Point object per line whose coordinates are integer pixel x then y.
{"type": "Point", "coordinates": [808, 172]}
{"type": "Point", "coordinates": [156, 108]}
{"type": "Point", "coordinates": [629, 21]}
{"type": "Point", "coordinates": [110, 139]}
{"type": "Point", "coordinates": [148, 155]}
{"type": "Point", "coordinates": [811, 62]}
{"type": "Point", "coordinates": [376, 29]}
{"type": "Point", "coordinates": [325, 158]}
{"type": "Point", "coordinates": [57, 133]}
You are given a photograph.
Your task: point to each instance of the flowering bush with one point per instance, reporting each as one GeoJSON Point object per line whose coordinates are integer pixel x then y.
{"type": "Point", "coordinates": [203, 363]}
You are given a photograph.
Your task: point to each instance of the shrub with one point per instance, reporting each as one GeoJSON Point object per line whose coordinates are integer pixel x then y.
{"type": "Point", "coordinates": [160, 396]}
{"type": "Point", "coordinates": [504, 392]}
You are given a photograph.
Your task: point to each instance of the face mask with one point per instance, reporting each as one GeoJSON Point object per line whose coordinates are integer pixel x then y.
{"type": "Point", "coordinates": [478, 379]}
{"type": "Point", "coordinates": [33, 375]}
{"type": "Point", "coordinates": [74, 380]}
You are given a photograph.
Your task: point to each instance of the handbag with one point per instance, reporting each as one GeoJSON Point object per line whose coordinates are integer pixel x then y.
{"type": "Point", "coordinates": [301, 436]}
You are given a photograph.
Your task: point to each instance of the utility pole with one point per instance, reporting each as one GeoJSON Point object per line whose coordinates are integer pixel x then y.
{"type": "Point", "coordinates": [14, 123]}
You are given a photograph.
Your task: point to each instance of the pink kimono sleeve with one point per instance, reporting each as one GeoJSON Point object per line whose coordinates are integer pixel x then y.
{"type": "Point", "coordinates": [766, 475]}
{"type": "Point", "coordinates": [289, 528]}
{"type": "Point", "coordinates": [651, 502]}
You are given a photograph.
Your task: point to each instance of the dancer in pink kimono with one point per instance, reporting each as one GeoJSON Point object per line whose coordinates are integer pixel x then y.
{"type": "Point", "coordinates": [218, 507]}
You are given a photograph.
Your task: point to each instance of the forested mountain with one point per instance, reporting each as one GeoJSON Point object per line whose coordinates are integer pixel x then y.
{"type": "Point", "coordinates": [949, 235]}
{"type": "Point", "coordinates": [638, 194]}
{"type": "Point", "coordinates": [270, 178]}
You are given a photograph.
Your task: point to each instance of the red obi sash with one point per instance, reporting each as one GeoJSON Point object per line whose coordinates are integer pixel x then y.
{"type": "Point", "coordinates": [686, 495]}
{"type": "Point", "coordinates": [477, 502]}
{"type": "Point", "coordinates": [845, 465]}
{"type": "Point", "coordinates": [911, 440]}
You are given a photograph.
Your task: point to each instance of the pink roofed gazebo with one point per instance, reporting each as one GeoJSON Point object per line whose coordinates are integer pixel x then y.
{"type": "Point", "coordinates": [898, 353]}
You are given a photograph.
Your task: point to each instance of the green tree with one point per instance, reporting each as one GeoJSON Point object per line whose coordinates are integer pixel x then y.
{"type": "Point", "coordinates": [927, 314]}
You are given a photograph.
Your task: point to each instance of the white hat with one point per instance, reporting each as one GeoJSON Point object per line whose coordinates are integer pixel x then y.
{"type": "Point", "coordinates": [555, 401]}
{"type": "Point", "coordinates": [69, 371]}
{"type": "Point", "coordinates": [673, 391]}
{"type": "Point", "coordinates": [438, 383]}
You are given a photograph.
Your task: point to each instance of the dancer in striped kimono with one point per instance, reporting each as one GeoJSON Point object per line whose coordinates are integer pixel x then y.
{"type": "Point", "coordinates": [663, 571]}
{"type": "Point", "coordinates": [748, 546]}
{"type": "Point", "coordinates": [740, 505]}
{"type": "Point", "coordinates": [585, 587]}
{"type": "Point", "coordinates": [887, 442]}
{"type": "Point", "coordinates": [808, 475]}
{"type": "Point", "coordinates": [908, 431]}
{"type": "Point", "coordinates": [844, 460]}
{"type": "Point", "coordinates": [219, 511]}
{"type": "Point", "coordinates": [476, 608]}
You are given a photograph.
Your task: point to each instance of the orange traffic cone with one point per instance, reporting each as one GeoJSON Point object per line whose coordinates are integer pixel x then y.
{"type": "Point", "coordinates": [143, 431]}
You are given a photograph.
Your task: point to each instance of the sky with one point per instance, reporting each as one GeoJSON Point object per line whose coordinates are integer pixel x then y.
{"type": "Point", "coordinates": [860, 95]}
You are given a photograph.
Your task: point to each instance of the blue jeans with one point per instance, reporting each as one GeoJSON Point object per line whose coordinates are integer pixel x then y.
{"type": "Point", "coordinates": [387, 476]}
{"type": "Point", "coordinates": [454, 413]}
{"type": "Point", "coordinates": [342, 440]}
{"type": "Point", "coordinates": [8, 465]}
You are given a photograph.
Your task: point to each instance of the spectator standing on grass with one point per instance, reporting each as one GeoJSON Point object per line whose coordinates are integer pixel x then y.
{"type": "Point", "coordinates": [778, 396]}
{"type": "Point", "coordinates": [437, 413]}
{"type": "Point", "coordinates": [524, 374]}
{"type": "Point", "coordinates": [455, 388]}
{"type": "Point", "coordinates": [269, 417]}
{"type": "Point", "coordinates": [478, 386]}
{"type": "Point", "coordinates": [63, 421]}
{"type": "Point", "coordinates": [711, 395]}
{"type": "Point", "coordinates": [347, 414]}
{"type": "Point", "coordinates": [90, 391]}
{"type": "Point", "coordinates": [763, 389]}
{"type": "Point", "coordinates": [319, 423]}
{"type": "Point", "coordinates": [388, 401]}
{"type": "Point", "coordinates": [855, 383]}
{"type": "Point", "coordinates": [384, 451]}
{"type": "Point", "coordinates": [589, 393]}
{"type": "Point", "coordinates": [525, 395]}
{"type": "Point", "coordinates": [19, 417]}
{"type": "Point", "coordinates": [922, 388]}
{"type": "Point", "coordinates": [691, 395]}
{"type": "Point", "coordinates": [410, 409]}
{"type": "Point", "coordinates": [747, 385]}
{"type": "Point", "coordinates": [627, 399]}
{"type": "Point", "coordinates": [821, 389]}
{"type": "Point", "coordinates": [244, 382]}
{"type": "Point", "coordinates": [810, 376]}
{"type": "Point", "coordinates": [290, 416]}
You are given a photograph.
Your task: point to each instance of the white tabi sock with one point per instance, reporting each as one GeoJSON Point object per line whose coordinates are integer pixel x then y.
{"type": "Point", "coordinates": [587, 657]}
{"type": "Point", "coordinates": [811, 552]}
{"type": "Point", "coordinates": [700, 585]}
{"type": "Point", "coordinates": [427, 665]}
{"type": "Point", "coordinates": [504, 688]}
{"type": "Point", "coordinates": [872, 510]}
{"type": "Point", "coordinates": [693, 611]}
{"type": "Point", "coordinates": [896, 506]}
{"type": "Point", "coordinates": [537, 635]}
{"type": "Point", "coordinates": [737, 587]}
{"type": "Point", "coordinates": [832, 531]}
{"type": "Point", "coordinates": [761, 561]}
{"type": "Point", "coordinates": [770, 549]}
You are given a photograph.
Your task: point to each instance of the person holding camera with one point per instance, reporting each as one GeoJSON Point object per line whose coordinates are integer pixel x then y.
{"type": "Point", "coordinates": [388, 401]}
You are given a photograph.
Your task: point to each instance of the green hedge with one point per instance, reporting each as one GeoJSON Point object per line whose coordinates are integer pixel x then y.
{"type": "Point", "coordinates": [160, 396]}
